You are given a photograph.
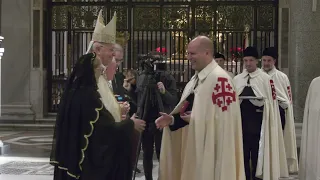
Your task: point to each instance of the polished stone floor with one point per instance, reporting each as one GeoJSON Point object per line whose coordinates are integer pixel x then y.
{"type": "Point", "coordinates": [28, 156]}
{"type": "Point", "coordinates": [29, 153]}
{"type": "Point", "coordinates": [17, 168]}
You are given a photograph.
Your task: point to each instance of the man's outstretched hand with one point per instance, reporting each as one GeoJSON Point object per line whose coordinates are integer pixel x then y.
{"type": "Point", "coordinates": [164, 120]}
{"type": "Point", "coordinates": [139, 124]}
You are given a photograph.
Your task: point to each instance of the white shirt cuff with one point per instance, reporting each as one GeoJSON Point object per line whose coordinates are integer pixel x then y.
{"type": "Point", "coordinates": [172, 122]}
{"type": "Point", "coordinates": [283, 105]}
{"type": "Point", "coordinates": [128, 88]}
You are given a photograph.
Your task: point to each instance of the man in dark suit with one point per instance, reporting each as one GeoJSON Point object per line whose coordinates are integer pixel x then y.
{"type": "Point", "coordinates": [117, 82]}
{"type": "Point", "coordinates": [118, 89]}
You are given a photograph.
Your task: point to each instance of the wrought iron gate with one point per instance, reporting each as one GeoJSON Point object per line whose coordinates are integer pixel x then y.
{"type": "Point", "coordinates": [151, 25]}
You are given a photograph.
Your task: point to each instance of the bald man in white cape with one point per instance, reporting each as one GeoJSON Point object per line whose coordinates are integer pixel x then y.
{"type": "Point", "coordinates": [208, 144]}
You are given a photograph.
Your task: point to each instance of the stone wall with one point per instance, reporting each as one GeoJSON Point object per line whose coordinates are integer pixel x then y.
{"type": "Point", "coordinates": [15, 68]}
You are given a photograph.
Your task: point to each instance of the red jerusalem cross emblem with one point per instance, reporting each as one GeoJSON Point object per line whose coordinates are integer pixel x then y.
{"type": "Point", "coordinates": [223, 94]}
{"type": "Point", "coordinates": [289, 93]}
{"type": "Point", "coordinates": [273, 89]}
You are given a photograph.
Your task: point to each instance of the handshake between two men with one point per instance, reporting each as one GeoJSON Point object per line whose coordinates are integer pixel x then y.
{"type": "Point", "coordinates": [152, 92]}
{"type": "Point", "coordinates": [166, 119]}
{"type": "Point", "coordinates": [139, 123]}
{"type": "Point", "coordinates": [182, 118]}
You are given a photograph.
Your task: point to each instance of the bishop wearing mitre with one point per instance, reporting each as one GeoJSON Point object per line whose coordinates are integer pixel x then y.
{"type": "Point", "coordinates": [90, 140]}
{"type": "Point", "coordinates": [103, 44]}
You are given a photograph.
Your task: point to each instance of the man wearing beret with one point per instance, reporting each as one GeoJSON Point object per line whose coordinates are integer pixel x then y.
{"type": "Point", "coordinates": [263, 144]}
{"type": "Point", "coordinates": [220, 59]}
{"type": "Point", "coordinates": [284, 98]}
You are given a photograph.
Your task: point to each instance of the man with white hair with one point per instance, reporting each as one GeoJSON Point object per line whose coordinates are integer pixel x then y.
{"type": "Point", "coordinates": [103, 39]}
{"type": "Point", "coordinates": [103, 45]}
{"type": "Point", "coordinates": [119, 52]}
{"type": "Point", "coordinates": [118, 89]}
{"type": "Point", "coordinates": [117, 82]}
{"type": "Point", "coordinates": [91, 141]}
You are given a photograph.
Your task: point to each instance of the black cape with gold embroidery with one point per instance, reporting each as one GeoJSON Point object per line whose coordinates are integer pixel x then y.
{"type": "Point", "coordinates": [88, 144]}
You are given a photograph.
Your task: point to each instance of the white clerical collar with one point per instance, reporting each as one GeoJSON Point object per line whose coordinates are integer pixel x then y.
{"type": "Point", "coordinates": [252, 74]}
{"type": "Point", "coordinates": [207, 70]}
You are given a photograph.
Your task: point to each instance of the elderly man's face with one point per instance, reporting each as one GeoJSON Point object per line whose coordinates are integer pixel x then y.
{"type": "Point", "coordinates": [106, 53]}
{"type": "Point", "coordinates": [118, 57]}
{"type": "Point", "coordinates": [111, 69]}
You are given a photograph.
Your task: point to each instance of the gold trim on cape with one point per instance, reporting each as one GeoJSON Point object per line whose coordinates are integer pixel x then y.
{"type": "Point", "coordinates": [86, 136]}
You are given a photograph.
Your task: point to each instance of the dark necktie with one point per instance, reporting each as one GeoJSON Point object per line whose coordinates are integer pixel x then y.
{"type": "Point", "coordinates": [196, 82]}
{"type": "Point", "coordinates": [248, 82]}
{"type": "Point", "coordinates": [115, 81]}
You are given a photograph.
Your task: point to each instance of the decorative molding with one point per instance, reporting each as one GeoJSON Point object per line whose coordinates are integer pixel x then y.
{"type": "Point", "coordinates": [283, 37]}
{"type": "Point", "coordinates": [314, 5]}
{"type": "Point", "coordinates": [283, 3]}
{"type": "Point", "coordinates": [17, 112]}
{"type": "Point", "coordinates": [36, 4]}
{"type": "Point", "coordinates": [31, 34]}
{"type": "Point", "coordinates": [37, 98]}
{"type": "Point", "coordinates": [286, 2]}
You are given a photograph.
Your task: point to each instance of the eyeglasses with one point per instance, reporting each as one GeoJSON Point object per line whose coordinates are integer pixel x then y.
{"type": "Point", "coordinates": [119, 60]}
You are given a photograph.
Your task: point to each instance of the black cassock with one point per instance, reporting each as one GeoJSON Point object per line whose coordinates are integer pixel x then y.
{"type": "Point", "coordinates": [251, 116]}
{"type": "Point", "coordinates": [88, 144]}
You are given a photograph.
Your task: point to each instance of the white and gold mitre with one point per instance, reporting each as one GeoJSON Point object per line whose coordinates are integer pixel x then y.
{"type": "Point", "coordinates": [105, 33]}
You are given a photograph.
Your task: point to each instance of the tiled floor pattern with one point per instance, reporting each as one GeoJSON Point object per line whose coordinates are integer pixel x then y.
{"type": "Point", "coordinates": [28, 157]}
{"type": "Point", "coordinates": [16, 168]}
{"type": "Point", "coordinates": [39, 169]}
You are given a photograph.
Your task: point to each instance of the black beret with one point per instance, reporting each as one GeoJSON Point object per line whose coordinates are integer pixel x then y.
{"type": "Point", "coordinates": [251, 51]}
{"type": "Point", "coordinates": [218, 55]}
{"type": "Point", "coordinates": [271, 51]}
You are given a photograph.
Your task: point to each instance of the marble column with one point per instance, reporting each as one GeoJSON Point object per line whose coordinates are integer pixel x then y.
{"type": "Point", "coordinates": [16, 62]}
{"type": "Point", "coordinates": [304, 50]}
